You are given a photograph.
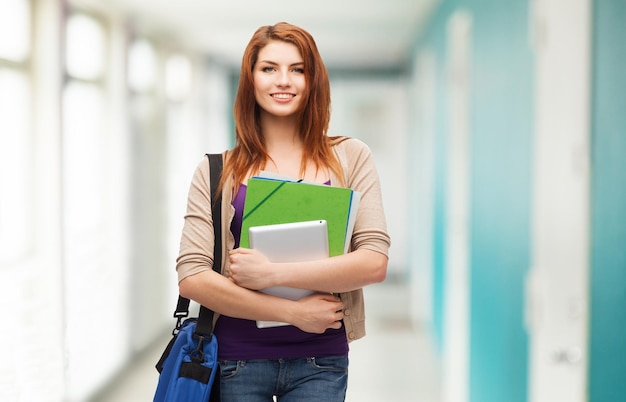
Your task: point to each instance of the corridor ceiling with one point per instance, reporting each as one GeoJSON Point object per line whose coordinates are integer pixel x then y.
{"type": "Point", "coordinates": [350, 34]}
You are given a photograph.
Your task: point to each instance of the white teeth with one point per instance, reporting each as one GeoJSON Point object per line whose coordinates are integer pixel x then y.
{"type": "Point", "coordinates": [283, 96]}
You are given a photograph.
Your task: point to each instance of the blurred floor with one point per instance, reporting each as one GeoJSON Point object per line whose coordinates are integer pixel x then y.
{"type": "Point", "coordinates": [394, 362]}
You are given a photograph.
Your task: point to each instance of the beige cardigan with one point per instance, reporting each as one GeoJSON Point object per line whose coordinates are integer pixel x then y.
{"type": "Point", "coordinates": [370, 231]}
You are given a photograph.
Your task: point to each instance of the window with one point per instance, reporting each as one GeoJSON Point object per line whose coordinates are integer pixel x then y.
{"type": "Point", "coordinates": [16, 221]}
{"type": "Point", "coordinates": [142, 66]}
{"type": "Point", "coordinates": [91, 281]}
{"type": "Point", "coordinates": [15, 30]}
{"type": "Point", "coordinates": [85, 48]}
{"type": "Point", "coordinates": [83, 111]}
{"type": "Point", "coordinates": [178, 78]}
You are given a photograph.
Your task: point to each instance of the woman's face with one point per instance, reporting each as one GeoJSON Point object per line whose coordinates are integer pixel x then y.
{"type": "Point", "coordinates": [278, 76]}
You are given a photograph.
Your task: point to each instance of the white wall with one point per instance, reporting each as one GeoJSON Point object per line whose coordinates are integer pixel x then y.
{"type": "Point", "coordinates": [557, 286]}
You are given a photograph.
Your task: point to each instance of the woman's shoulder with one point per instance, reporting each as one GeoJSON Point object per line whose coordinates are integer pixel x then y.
{"type": "Point", "coordinates": [203, 166]}
{"type": "Point", "coordinates": [203, 163]}
{"type": "Point", "coordinates": [350, 146]}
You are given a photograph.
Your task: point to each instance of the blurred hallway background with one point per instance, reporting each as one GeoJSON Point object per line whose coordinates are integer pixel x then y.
{"type": "Point", "coordinates": [498, 129]}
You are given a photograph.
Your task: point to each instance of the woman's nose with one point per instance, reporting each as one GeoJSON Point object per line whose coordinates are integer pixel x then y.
{"type": "Point", "coordinates": [283, 79]}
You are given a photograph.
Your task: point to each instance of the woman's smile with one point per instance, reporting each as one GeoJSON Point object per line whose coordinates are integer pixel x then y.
{"type": "Point", "coordinates": [283, 96]}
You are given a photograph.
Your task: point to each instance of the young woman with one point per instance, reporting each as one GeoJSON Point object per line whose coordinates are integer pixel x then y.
{"type": "Point", "coordinates": [282, 112]}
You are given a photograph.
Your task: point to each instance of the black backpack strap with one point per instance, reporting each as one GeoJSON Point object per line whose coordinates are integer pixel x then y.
{"type": "Point", "coordinates": [216, 164]}
{"type": "Point", "coordinates": [205, 317]}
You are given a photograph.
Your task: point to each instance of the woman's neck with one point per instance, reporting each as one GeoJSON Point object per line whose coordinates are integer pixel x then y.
{"type": "Point", "coordinates": [280, 134]}
{"type": "Point", "coordinates": [285, 148]}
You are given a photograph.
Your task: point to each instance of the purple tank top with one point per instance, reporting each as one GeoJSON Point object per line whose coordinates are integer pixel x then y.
{"type": "Point", "coordinates": [242, 340]}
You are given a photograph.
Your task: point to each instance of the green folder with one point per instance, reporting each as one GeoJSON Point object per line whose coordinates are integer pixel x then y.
{"type": "Point", "coordinates": [272, 201]}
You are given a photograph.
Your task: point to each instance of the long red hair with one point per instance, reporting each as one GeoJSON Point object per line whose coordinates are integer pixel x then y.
{"type": "Point", "coordinates": [249, 154]}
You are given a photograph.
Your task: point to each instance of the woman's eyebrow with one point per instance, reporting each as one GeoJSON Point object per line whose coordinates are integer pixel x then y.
{"type": "Point", "coordinates": [273, 63]}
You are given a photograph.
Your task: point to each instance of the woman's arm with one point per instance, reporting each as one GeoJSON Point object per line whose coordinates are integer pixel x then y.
{"type": "Point", "coordinates": [314, 313]}
{"type": "Point", "coordinates": [343, 273]}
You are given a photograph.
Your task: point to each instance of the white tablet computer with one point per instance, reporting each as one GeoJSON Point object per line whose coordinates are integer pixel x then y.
{"type": "Point", "coordinates": [290, 242]}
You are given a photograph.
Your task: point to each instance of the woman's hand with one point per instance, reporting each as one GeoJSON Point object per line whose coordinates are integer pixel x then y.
{"type": "Point", "coordinates": [315, 313]}
{"type": "Point", "coordinates": [318, 312]}
{"type": "Point", "coordinates": [250, 268]}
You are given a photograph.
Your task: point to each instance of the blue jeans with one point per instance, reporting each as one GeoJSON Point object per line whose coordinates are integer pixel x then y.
{"type": "Point", "coordinates": [310, 379]}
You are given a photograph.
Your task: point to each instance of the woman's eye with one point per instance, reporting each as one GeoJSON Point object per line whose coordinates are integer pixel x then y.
{"type": "Point", "coordinates": [267, 69]}
{"type": "Point", "coordinates": [298, 70]}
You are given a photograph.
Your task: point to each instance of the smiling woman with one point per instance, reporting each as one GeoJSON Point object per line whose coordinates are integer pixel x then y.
{"type": "Point", "coordinates": [312, 117]}
{"type": "Point", "coordinates": [282, 112]}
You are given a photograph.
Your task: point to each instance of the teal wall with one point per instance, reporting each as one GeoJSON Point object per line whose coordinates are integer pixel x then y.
{"type": "Point", "coordinates": [434, 40]}
{"type": "Point", "coordinates": [607, 348]}
{"type": "Point", "coordinates": [500, 215]}
{"type": "Point", "coordinates": [500, 135]}
{"type": "Point", "coordinates": [439, 205]}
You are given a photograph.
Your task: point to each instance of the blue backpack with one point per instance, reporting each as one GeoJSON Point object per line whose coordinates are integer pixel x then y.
{"type": "Point", "coordinates": [190, 367]}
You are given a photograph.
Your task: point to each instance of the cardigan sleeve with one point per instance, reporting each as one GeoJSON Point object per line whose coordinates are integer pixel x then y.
{"type": "Point", "coordinates": [360, 174]}
{"type": "Point", "coordinates": [197, 239]}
